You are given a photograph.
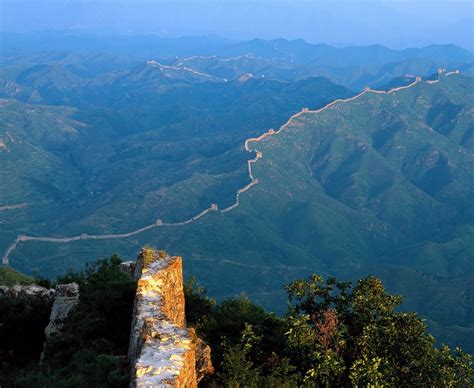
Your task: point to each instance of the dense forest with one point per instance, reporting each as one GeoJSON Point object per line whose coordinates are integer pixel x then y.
{"type": "Point", "coordinates": [333, 334]}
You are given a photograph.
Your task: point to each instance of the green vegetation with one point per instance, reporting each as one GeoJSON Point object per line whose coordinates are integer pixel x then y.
{"type": "Point", "coordinates": [22, 325]}
{"type": "Point", "coordinates": [9, 277]}
{"type": "Point", "coordinates": [380, 185]}
{"type": "Point", "coordinates": [377, 185]}
{"type": "Point", "coordinates": [141, 137]}
{"type": "Point", "coordinates": [334, 334]}
{"type": "Point", "coordinates": [91, 353]}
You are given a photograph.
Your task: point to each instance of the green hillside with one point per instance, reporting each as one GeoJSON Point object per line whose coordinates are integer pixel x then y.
{"type": "Point", "coordinates": [10, 277]}
{"type": "Point", "coordinates": [92, 169]}
{"type": "Point", "coordinates": [371, 186]}
{"type": "Point", "coordinates": [382, 184]}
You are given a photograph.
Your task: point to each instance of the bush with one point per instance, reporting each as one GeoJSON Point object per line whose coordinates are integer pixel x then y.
{"type": "Point", "coordinates": [334, 334]}
{"type": "Point", "coordinates": [92, 350]}
{"type": "Point", "coordinates": [22, 327]}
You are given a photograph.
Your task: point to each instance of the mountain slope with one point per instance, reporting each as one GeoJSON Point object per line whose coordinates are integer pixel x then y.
{"type": "Point", "coordinates": [363, 187]}
{"type": "Point", "coordinates": [188, 59]}
{"type": "Point", "coordinates": [380, 184]}
{"type": "Point", "coordinates": [124, 162]}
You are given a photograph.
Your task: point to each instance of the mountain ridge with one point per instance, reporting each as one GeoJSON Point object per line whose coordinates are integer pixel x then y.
{"type": "Point", "coordinates": [212, 207]}
{"type": "Point", "coordinates": [158, 148]}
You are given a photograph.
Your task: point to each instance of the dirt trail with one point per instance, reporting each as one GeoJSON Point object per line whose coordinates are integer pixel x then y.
{"type": "Point", "coordinates": [213, 207]}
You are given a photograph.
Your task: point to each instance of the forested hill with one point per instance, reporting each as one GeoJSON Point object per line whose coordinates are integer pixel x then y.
{"type": "Point", "coordinates": [382, 184]}
{"type": "Point", "coordinates": [102, 153]}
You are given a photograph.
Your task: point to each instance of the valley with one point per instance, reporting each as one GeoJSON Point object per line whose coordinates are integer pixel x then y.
{"type": "Point", "coordinates": [104, 155]}
{"type": "Point", "coordinates": [212, 207]}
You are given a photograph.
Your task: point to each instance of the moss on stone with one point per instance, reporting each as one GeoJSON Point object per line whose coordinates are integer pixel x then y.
{"type": "Point", "coordinates": [148, 257]}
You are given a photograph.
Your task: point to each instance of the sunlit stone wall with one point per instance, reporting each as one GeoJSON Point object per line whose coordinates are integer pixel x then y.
{"type": "Point", "coordinates": [162, 350]}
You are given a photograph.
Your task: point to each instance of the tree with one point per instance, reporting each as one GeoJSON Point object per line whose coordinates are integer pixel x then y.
{"type": "Point", "coordinates": [341, 334]}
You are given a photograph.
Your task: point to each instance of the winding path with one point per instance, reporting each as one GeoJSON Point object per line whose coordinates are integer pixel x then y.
{"type": "Point", "coordinates": [213, 207]}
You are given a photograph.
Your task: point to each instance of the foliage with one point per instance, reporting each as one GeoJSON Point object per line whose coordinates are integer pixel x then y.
{"type": "Point", "coordinates": [369, 343]}
{"type": "Point", "coordinates": [334, 334]}
{"type": "Point", "coordinates": [22, 324]}
{"type": "Point", "coordinates": [198, 305]}
{"type": "Point", "coordinates": [221, 324]}
{"type": "Point", "coordinates": [239, 368]}
{"type": "Point", "coordinates": [103, 317]}
{"type": "Point", "coordinates": [9, 277]}
{"type": "Point", "coordinates": [92, 350]}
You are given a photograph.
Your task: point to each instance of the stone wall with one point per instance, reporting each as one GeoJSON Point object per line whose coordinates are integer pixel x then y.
{"type": "Point", "coordinates": [162, 351]}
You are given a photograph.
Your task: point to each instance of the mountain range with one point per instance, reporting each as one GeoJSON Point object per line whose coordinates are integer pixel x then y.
{"type": "Point", "coordinates": [97, 142]}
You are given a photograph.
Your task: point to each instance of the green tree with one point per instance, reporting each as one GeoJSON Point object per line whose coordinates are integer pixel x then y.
{"type": "Point", "coordinates": [341, 334]}
{"type": "Point", "coordinates": [238, 370]}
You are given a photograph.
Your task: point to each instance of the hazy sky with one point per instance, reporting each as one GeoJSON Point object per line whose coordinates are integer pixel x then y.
{"type": "Point", "coordinates": [395, 23]}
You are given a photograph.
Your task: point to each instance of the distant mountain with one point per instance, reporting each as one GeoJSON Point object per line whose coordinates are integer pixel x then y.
{"type": "Point", "coordinates": [95, 144]}
{"type": "Point", "coordinates": [383, 184]}
{"type": "Point", "coordinates": [300, 51]}
{"type": "Point", "coordinates": [354, 67]}
{"type": "Point", "coordinates": [282, 59]}
{"type": "Point", "coordinates": [139, 46]}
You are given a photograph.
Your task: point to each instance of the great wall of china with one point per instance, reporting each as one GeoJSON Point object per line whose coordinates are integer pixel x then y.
{"type": "Point", "coordinates": [15, 206]}
{"type": "Point", "coordinates": [163, 351]}
{"type": "Point", "coordinates": [213, 207]}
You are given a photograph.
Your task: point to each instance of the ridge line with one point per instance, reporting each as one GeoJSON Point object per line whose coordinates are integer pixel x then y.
{"type": "Point", "coordinates": [213, 207]}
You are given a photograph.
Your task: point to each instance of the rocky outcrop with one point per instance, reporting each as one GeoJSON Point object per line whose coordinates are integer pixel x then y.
{"type": "Point", "coordinates": [163, 352]}
{"type": "Point", "coordinates": [204, 366]}
{"type": "Point", "coordinates": [63, 299]}
{"type": "Point", "coordinates": [31, 292]}
{"type": "Point", "coordinates": [66, 299]}
{"type": "Point", "coordinates": [24, 313]}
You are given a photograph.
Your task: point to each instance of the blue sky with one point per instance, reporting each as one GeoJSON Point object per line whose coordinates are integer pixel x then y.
{"type": "Point", "coordinates": [395, 23]}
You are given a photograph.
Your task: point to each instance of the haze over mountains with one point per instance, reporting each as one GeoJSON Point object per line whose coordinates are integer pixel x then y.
{"type": "Point", "coordinates": [108, 137]}
{"type": "Point", "coordinates": [394, 23]}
